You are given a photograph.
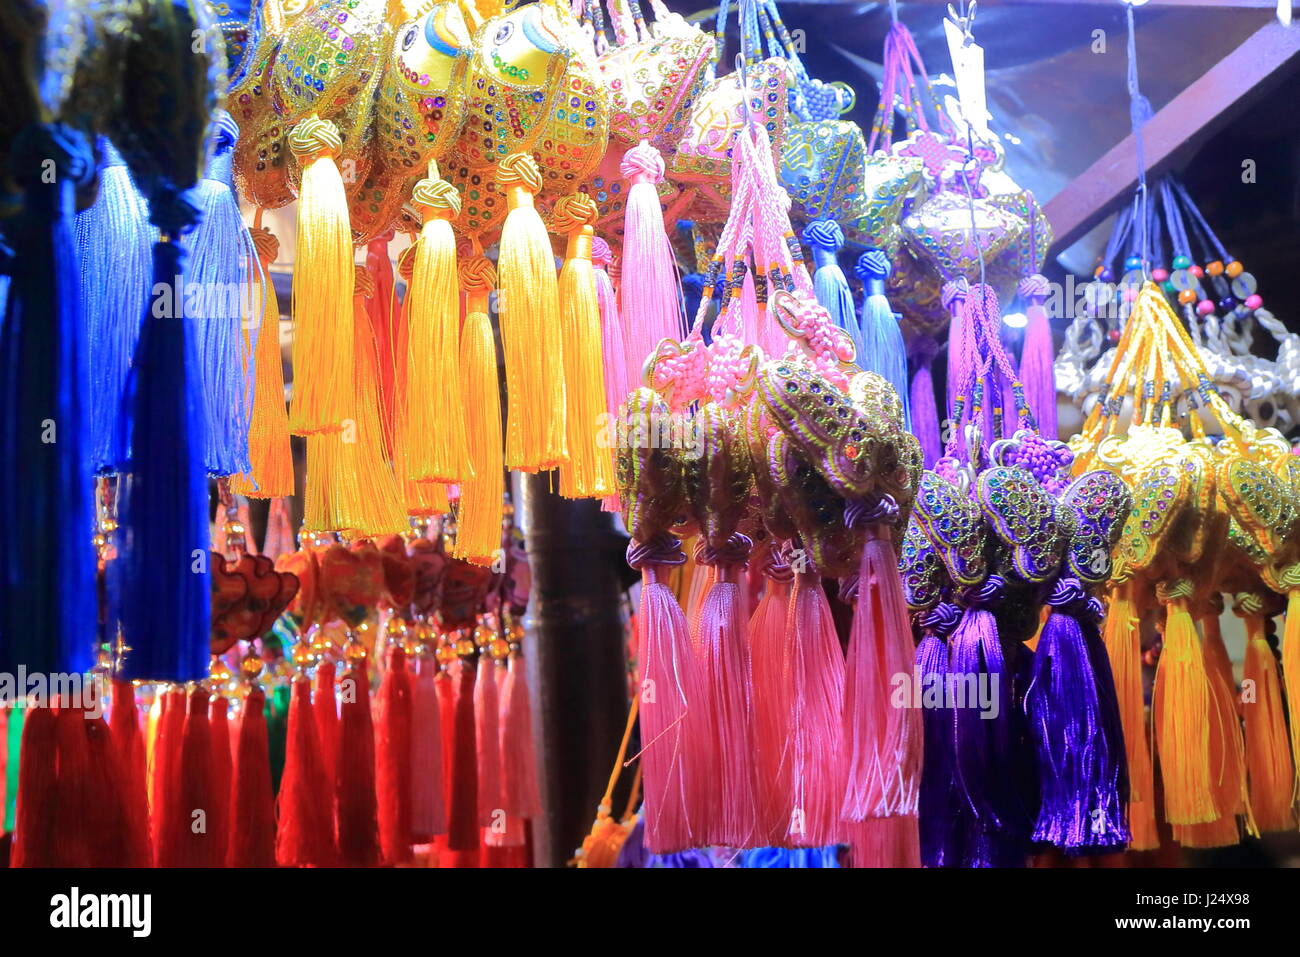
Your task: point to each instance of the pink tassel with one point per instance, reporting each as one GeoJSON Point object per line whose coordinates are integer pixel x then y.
{"type": "Point", "coordinates": [649, 299]}
{"type": "Point", "coordinates": [1037, 357]}
{"type": "Point", "coordinates": [817, 740]}
{"type": "Point", "coordinates": [428, 802]}
{"type": "Point", "coordinates": [770, 650]}
{"type": "Point", "coordinates": [749, 325]}
{"type": "Point", "coordinates": [722, 643]}
{"type": "Point", "coordinates": [883, 742]}
{"type": "Point", "coordinates": [487, 734]}
{"type": "Point", "coordinates": [519, 795]}
{"type": "Point", "coordinates": [672, 757]}
{"type": "Point", "coordinates": [614, 352]}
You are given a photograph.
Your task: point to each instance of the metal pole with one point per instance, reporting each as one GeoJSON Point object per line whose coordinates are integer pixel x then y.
{"type": "Point", "coordinates": [576, 656]}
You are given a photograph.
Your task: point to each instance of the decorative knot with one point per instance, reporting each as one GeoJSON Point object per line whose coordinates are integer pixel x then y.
{"type": "Point", "coordinates": [824, 234]}
{"type": "Point", "coordinates": [954, 293]}
{"type": "Point", "coordinates": [1167, 592]}
{"type": "Point", "coordinates": [601, 254]}
{"type": "Point", "coordinates": [642, 164]}
{"type": "Point", "coordinates": [990, 592]}
{"type": "Point", "coordinates": [941, 620]}
{"type": "Point", "coordinates": [1035, 286]}
{"type": "Point", "coordinates": [477, 274]}
{"type": "Point", "coordinates": [873, 264]}
{"type": "Point", "coordinates": [1248, 604]}
{"type": "Point", "coordinates": [264, 241]}
{"type": "Point", "coordinates": [363, 283]}
{"type": "Point", "coordinates": [573, 212]}
{"type": "Point", "coordinates": [663, 549]}
{"type": "Point", "coordinates": [313, 138]}
{"type": "Point", "coordinates": [880, 510]}
{"type": "Point", "coordinates": [1065, 592]}
{"type": "Point", "coordinates": [775, 564]}
{"type": "Point", "coordinates": [734, 551]}
{"type": "Point", "coordinates": [519, 169]}
{"type": "Point", "coordinates": [406, 264]}
{"type": "Point", "coordinates": [172, 212]}
{"type": "Point", "coordinates": [38, 144]}
{"type": "Point", "coordinates": [225, 132]}
{"type": "Point", "coordinates": [436, 198]}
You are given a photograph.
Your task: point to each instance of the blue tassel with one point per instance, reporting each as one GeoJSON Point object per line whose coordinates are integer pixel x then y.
{"type": "Point", "coordinates": [47, 591]}
{"type": "Point", "coordinates": [221, 253]}
{"type": "Point", "coordinates": [163, 534]}
{"type": "Point", "coordinates": [115, 242]}
{"type": "Point", "coordinates": [830, 285]}
{"type": "Point", "coordinates": [883, 350]}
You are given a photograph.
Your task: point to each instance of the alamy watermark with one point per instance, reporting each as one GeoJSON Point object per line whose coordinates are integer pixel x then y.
{"type": "Point", "coordinates": [946, 692]}
{"type": "Point", "coordinates": [42, 690]}
{"type": "Point", "coordinates": [656, 430]}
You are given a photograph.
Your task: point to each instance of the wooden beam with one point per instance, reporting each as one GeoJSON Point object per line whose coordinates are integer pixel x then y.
{"type": "Point", "coordinates": [1241, 77]}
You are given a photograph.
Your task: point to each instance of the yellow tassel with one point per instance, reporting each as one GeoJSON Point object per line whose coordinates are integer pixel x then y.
{"type": "Point", "coordinates": [589, 472]}
{"type": "Point", "coordinates": [478, 536]}
{"type": "Point", "coordinates": [357, 491]}
{"type": "Point", "coordinates": [528, 309]}
{"type": "Point", "coordinates": [1124, 648]}
{"type": "Point", "coordinates": [1291, 668]}
{"type": "Point", "coordinates": [1268, 759]}
{"type": "Point", "coordinates": [1182, 706]}
{"type": "Point", "coordinates": [269, 453]}
{"type": "Point", "coordinates": [435, 426]}
{"type": "Point", "coordinates": [324, 341]}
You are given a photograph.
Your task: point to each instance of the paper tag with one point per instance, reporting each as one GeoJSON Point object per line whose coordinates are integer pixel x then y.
{"type": "Point", "coordinates": [968, 72]}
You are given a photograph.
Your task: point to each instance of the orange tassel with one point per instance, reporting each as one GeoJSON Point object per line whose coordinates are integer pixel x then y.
{"type": "Point", "coordinates": [1124, 648]}
{"type": "Point", "coordinates": [1182, 705]}
{"type": "Point", "coordinates": [323, 322]}
{"type": "Point", "coordinates": [1268, 757]}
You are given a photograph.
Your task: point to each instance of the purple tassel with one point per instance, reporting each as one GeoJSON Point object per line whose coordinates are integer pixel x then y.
{"type": "Point", "coordinates": [925, 415]}
{"type": "Point", "coordinates": [938, 804]}
{"type": "Point", "coordinates": [1074, 717]}
{"type": "Point", "coordinates": [983, 742]}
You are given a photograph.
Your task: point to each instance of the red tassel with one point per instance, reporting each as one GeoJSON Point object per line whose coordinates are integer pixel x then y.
{"type": "Point", "coordinates": [219, 816]}
{"type": "Point", "coordinates": [393, 770]}
{"type": "Point", "coordinates": [463, 828]}
{"type": "Point", "coordinates": [124, 721]}
{"type": "Point", "coordinates": [71, 839]}
{"type": "Point", "coordinates": [252, 808]}
{"type": "Point", "coordinates": [885, 842]}
{"type": "Point", "coordinates": [487, 740]}
{"type": "Point", "coordinates": [164, 775]}
{"type": "Point", "coordinates": [305, 835]}
{"type": "Point", "coordinates": [192, 842]}
{"type": "Point", "coordinates": [326, 708]}
{"type": "Point", "coordinates": [106, 820]}
{"type": "Point", "coordinates": [428, 802]}
{"type": "Point", "coordinates": [35, 811]}
{"type": "Point", "coordinates": [519, 794]}
{"type": "Point", "coordinates": [354, 777]}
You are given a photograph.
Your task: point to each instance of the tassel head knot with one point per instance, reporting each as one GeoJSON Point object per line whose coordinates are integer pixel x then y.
{"type": "Point", "coordinates": [642, 164]}
{"type": "Point", "coordinates": [825, 235]}
{"type": "Point", "coordinates": [436, 199]}
{"type": "Point", "coordinates": [364, 283]}
{"type": "Point", "coordinates": [314, 138]}
{"type": "Point", "coordinates": [519, 170]}
{"type": "Point", "coordinates": [601, 254]}
{"type": "Point", "coordinates": [573, 212]}
{"type": "Point", "coordinates": [873, 265]}
{"type": "Point", "coordinates": [264, 241]}
{"type": "Point", "coordinates": [478, 274]}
